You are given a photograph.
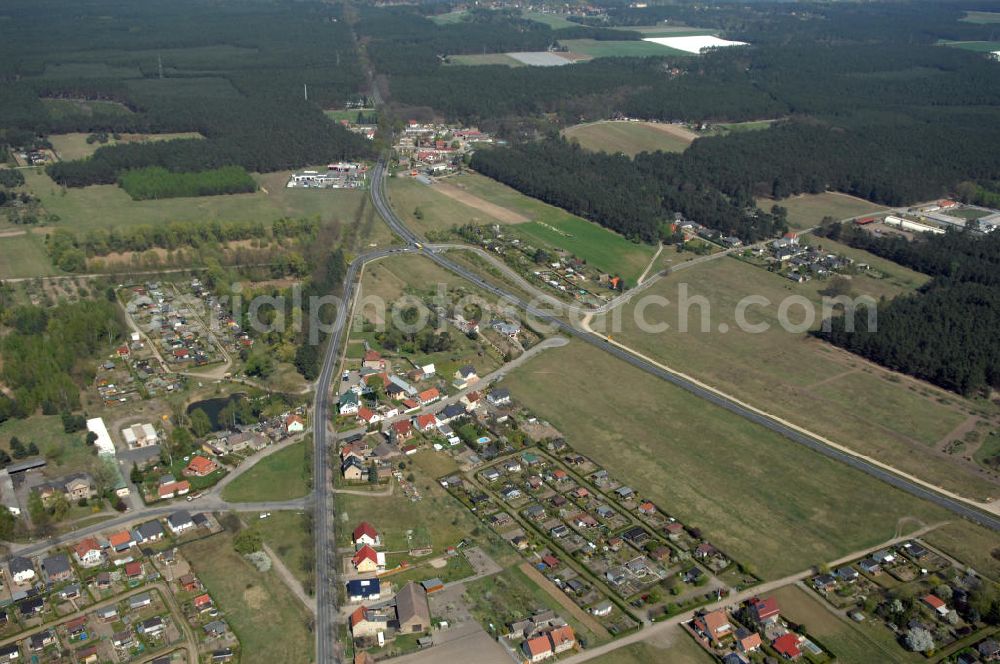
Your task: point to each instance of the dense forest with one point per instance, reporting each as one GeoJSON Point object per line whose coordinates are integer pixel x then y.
{"type": "Point", "coordinates": [235, 72]}
{"type": "Point", "coordinates": [50, 354]}
{"type": "Point", "coordinates": [946, 333]}
{"type": "Point", "coordinates": [155, 182]}
{"type": "Point", "coordinates": [636, 199]}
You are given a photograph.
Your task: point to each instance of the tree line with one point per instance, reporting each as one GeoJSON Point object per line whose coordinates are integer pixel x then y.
{"type": "Point", "coordinates": [945, 333]}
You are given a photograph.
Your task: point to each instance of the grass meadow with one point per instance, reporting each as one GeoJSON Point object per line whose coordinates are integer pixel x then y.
{"type": "Point", "coordinates": [794, 376]}
{"type": "Point", "coordinates": [750, 490]}
{"type": "Point", "coordinates": [806, 210]}
{"type": "Point", "coordinates": [281, 476]}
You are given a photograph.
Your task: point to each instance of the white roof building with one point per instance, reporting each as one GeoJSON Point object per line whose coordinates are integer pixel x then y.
{"type": "Point", "coordinates": [103, 443]}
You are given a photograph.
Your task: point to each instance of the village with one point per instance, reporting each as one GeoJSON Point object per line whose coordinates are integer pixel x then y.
{"type": "Point", "coordinates": [433, 149]}
{"type": "Point", "coordinates": [123, 595]}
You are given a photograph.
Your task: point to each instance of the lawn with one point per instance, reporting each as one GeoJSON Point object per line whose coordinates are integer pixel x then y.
{"type": "Point", "coordinates": [747, 488]}
{"type": "Point", "coordinates": [107, 206]}
{"type": "Point", "coordinates": [75, 146]}
{"type": "Point", "coordinates": [286, 534]}
{"type": "Point", "coordinates": [65, 452]}
{"type": "Point", "coordinates": [620, 49]}
{"type": "Point", "coordinates": [851, 643]}
{"type": "Point", "coordinates": [682, 650]}
{"type": "Point", "coordinates": [269, 621]}
{"type": "Point", "coordinates": [281, 476]}
{"type": "Point", "coordinates": [24, 256]}
{"type": "Point", "coordinates": [628, 137]}
{"type": "Point", "coordinates": [969, 543]}
{"type": "Point", "coordinates": [794, 376]}
{"type": "Point", "coordinates": [982, 17]}
{"type": "Point", "coordinates": [807, 210]}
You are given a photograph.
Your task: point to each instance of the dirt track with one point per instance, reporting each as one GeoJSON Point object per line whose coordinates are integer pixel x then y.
{"type": "Point", "coordinates": [501, 214]}
{"type": "Point", "coordinates": [585, 618]}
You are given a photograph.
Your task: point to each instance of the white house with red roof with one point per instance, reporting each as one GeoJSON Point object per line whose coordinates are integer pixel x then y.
{"type": "Point", "coordinates": [365, 534]}
{"type": "Point", "coordinates": [294, 424]}
{"type": "Point", "coordinates": [426, 422]}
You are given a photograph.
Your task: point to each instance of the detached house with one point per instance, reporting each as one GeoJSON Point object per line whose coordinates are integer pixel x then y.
{"type": "Point", "coordinates": [368, 559]}
{"type": "Point", "coordinates": [365, 534]}
{"type": "Point", "coordinates": [88, 552]}
{"type": "Point", "coordinates": [180, 522]}
{"type": "Point", "coordinates": [200, 466]}
{"type": "Point", "coordinates": [349, 403]}
{"type": "Point", "coordinates": [714, 625]}
{"type": "Point", "coordinates": [763, 612]}
{"type": "Point", "coordinates": [57, 567]}
{"type": "Point", "coordinates": [22, 570]}
{"type": "Point", "coordinates": [294, 424]}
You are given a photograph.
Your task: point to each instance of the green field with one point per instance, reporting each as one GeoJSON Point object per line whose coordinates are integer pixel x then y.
{"type": "Point", "coordinates": [792, 375]}
{"type": "Point", "coordinates": [807, 210]}
{"type": "Point", "coordinates": [24, 256]}
{"type": "Point", "coordinates": [982, 17]}
{"type": "Point", "coordinates": [270, 622]}
{"type": "Point", "coordinates": [602, 249]}
{"type": "Point", "coordinates": [484, 59]}
{"type": "Point", "coordinates": [748, 489]}
{"type": "Point", "coordinates": [977, 46]}
{"type": "Point", "coordinates": [628, 137]}
{"type": "Point", "coordinates": [597, 245]}
{"type": "Point", "coordinates": [107, 206]}
{"type": "Point", "coordinates": [682, 650]}
{"type": "Point", "coordinates": [281, 476]}
{"type": "Point", "coordinates": [667, 30]}
{"type": "Point", "coordinates": [286, 534]}
{"type": "Point", "coordinates": [75, 146]}
{"type": "Point", "coordinates": [851, 643]}
{"type": "Point", "coordinates": [620, 49]}
{"type": "Point", "coordinates": [968, 213]}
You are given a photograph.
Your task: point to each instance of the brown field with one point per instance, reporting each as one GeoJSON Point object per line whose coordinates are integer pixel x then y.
{"type": "Point", "coordinates": [631, 138]}
{"type": "Point", "coordinates": [458, 193]}
{"type": "Point", "coordinates": [893, 418]}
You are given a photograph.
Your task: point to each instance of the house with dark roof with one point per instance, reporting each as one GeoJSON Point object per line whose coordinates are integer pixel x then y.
{"type": "Point", "coordinates": [21, 569]}
{"type": "Point", "coordinates": [57, 567]}
{"type": "Point", "coordinates": [179, 522]}
{"type": "Point", "coordinates": [360, 590]}
{"type": "Point", "coordinates": [151, 531]}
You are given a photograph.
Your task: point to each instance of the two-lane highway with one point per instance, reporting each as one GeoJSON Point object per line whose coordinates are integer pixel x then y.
{"type": "Point", "coordinates": [326, 592]}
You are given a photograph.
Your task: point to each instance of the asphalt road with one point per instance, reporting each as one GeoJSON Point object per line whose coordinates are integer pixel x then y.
{"type": "Point", "coordinates": [326, 592]}
{"type": "Point", "coordinates": [955, 506]}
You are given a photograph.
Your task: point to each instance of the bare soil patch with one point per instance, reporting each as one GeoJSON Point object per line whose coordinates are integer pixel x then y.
{"type": "Point", "coordinates": [499, 213]}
